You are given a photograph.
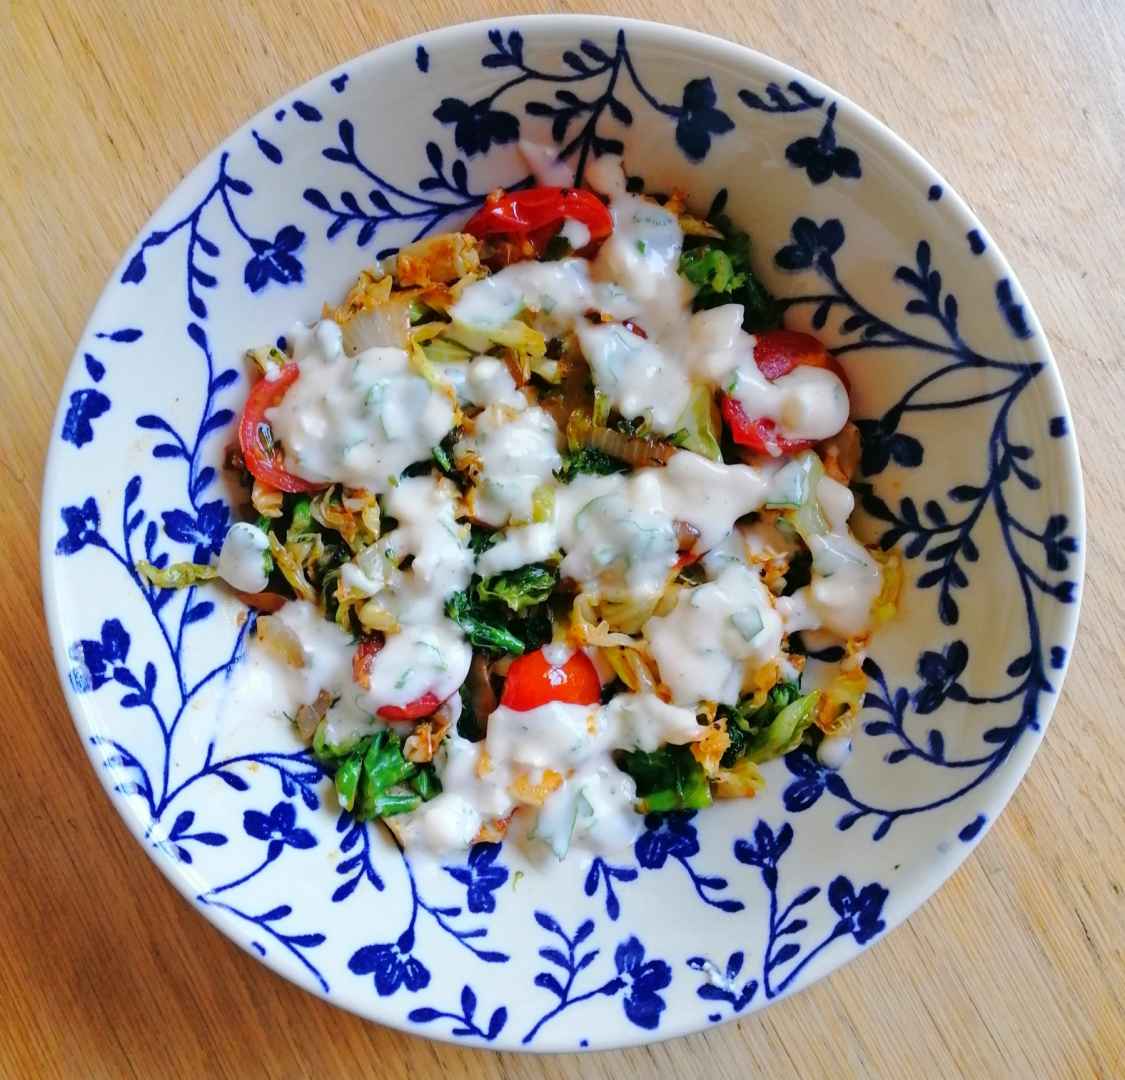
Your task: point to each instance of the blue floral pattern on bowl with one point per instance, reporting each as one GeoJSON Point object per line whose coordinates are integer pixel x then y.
{"type": "Point", "coordinates": [708, 915]}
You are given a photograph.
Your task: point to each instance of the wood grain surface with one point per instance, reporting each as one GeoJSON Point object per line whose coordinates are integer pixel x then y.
{"type": "Point", "coordinates": [1015, 969]}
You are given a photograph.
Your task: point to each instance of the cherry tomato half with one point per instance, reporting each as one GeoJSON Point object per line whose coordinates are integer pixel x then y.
{"type": "Point", "coordinates": [777, 352]}
{"type": "Point", "coordinates": [533, 681]}
{"type": "Point", "coordinates": [538, 213]}
{"type": "Point", "coordinates": [426, 705]}
{"type": "Point", "coordinates": [267, 465]}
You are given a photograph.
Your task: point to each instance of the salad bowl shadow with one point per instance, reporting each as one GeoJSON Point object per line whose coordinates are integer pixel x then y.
{"type": "Point", "coordinates": [970, 471]}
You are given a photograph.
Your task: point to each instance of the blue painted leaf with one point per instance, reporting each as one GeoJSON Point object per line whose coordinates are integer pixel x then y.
{"type": "Point", "coordinates": [593, 51]}
{"type": "Point", "coordinates": [181, 824]}
{"type": "Point", "coordinates": [128, 334]}
{"type": "Point", "coordinates": [211, 839]}
{"type": "Point", "coordinates": [584, 931]}
{"type": "Point", "coordinates": [276, 913]}
{"type": "Point", "coordinates": [136, 270]}
{"type": "Point", "coordinates": [548, 924]}
{"type": "Point", "coordinates": [468, 1003]}
{"type": "Point", "coordinates": [311, 195]}
{"type": "Point", "coordinates": [306, 941]}
{"type": "Point", "coordinates": [554, 956]}
{"type": "Point", "coordinates": [198, 612]}
{"type": "Point", "coordinates": [548, 982]}
{"type": "Point", "coordinates": [786, 952]}
{"type": "Point", "coordinates": [233, 780]}
{"type": "Point", "coordinates": [936, 744]}
{"type": "Point", "coordinates": [168, 450]}
{"type": "Point", "coordinates": [95, 367]}
{"type": "Point", "coordinates": [586, 960]}
{"type": "Point", "coordinates": [307, 112]}
{"type": "Point", "coordinates": [496, 1024]}
{"type": "Point", "coordinates": [423, 1016]}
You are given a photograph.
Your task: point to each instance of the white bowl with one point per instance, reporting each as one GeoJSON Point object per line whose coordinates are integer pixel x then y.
{"type": "Point", "coordinates": [968, 443]}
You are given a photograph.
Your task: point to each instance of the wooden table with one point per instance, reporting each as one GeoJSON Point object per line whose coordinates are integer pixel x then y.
{"type": "Point", "coordinates": [1015, 969]}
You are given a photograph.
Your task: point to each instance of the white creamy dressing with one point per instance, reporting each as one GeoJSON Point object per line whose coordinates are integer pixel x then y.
{"type": "Point", "coordinates": [846, 579]}
{"type": "Point", "coordinates": [518, 453]}
{"type": "Point", "coordinates": [522, 544]}
{"type": "Point", "coordinates": [242, 560]}
{"type": "Point", "coordinates": [357, 420]}
{"type": "Point", "coordinates": [593, 805]}
{"type": "Point", "coordinates": [418, 660]}
{"type": "Point", "coordinates": [808, 403]}
{"type": "Point", "coordinates": [618, 531]}
{"type": "Point", "coordinates": [715, 633]}
{"type": "Point", "coordinates": [483, 381]}
{"type": "Point", "coordinates": [263, 684]}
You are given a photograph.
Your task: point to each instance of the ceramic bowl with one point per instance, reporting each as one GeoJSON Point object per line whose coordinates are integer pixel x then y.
{"type": "Point", "coordinates": [967, 450]}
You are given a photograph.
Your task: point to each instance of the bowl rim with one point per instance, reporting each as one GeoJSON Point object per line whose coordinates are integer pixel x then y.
{"type": "Point", "coordinates": [1070, 491]}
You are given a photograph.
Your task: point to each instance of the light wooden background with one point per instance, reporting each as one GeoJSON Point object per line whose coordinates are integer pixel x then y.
{"type": "Point", "coordinates": [1015, 969]}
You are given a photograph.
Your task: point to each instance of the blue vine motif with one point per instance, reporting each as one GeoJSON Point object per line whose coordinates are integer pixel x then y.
{"type": "Point", "coordinates": [640, 979]}
{"type": "Point", "coordinates": [943, 534]}
{"type": "Point", "coordinates": [392, 963]}
{"type": "Point", "coordinates": [359, 865]}
{"type": "Point", "coordinates": [481, 124]}
{"type": "Point", "coordinates": [820, 156]}
{"type": "Point", "coordinates": [858, 914]}
{"type": "Point", "coordinates": [670, 836]}
{"type": "Point", "coordinates": [279, 830]}
{"type": "Point", "coordinates": [269, 259]}
{"type": "Point", "coordinates": [463, 1021]}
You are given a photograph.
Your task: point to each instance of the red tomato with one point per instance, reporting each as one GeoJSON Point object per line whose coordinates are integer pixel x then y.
{"type": "Point", "coordinates": [532, 681]}
{"type": "Point", "coordinates": [426, 705]}
{"type": "Point", "coordinates": [538, 213]}
{"type": "Point", "coordinates": [777, 352]}
{"type": "Point", "coordinates": [362, 658]}
{"type": "Point", "coordinates": [268, 467]}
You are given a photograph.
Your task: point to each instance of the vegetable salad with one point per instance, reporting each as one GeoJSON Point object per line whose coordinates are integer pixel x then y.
{"type": "Point", "coordinates": [546, 516]}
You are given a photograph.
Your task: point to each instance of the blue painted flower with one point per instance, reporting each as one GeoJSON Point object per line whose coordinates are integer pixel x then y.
{"type": "Point", "coordinates": [812, 245]}
{"type": "Point", "coordinates": [881, 443]}
{"type": "Point", "coordinates": [85, 406]}
{"type": "Point", "coordinates": [667, 835]}
{"type": "Point", "coordinates": [812, 779]}
{"type": "Point", "coordinates": [821, 157]}
{"type": "Point", "coordinates": [275, 261]}
{"type": "Point", "coordinates": [476, 127]}
{"type": "Point", "coordinates": [699, 120]}
{"type": "Point", "coordinates": [859, 912]}
{"type": "Point", "coordinates": [97, 661]}
{"type": "Point", "coordinates": [643, 979]}
{"type": "Point", "coordinates": [392, 965]}
{"type": "Point", "coordinates": [279, 827]}
{"type": "Point", "coordinates": [205, 530]}
{"type": "Point", "coordinates": [939, 672]}
{"type": "Point", "coordinates": [765, 850]}
{"type": "Point", "coordinates": [1056, 544]}
{"type": "Point", "coordinates": [81, 527]}
{"type": "Point", "coordinates": [481, 877]}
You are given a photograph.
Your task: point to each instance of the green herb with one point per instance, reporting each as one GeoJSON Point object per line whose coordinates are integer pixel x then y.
{"type": "Point", "coordinates": [722, 274]}
{"type": "Point", "coordinates": [520, 588]}
{"type": "Point", "coordinates": [668, 779]}
{"type": "Point", "coordinates": [588, 460]}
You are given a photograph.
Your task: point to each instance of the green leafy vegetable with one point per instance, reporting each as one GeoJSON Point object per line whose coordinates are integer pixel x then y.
{"type": "Point", "coordinates": [721, 272]}
{"type": "Point", "coordinates": [586, 459]}
{"type": "Point", "coordinates": [474, 619]}
{"type": "Point", "coordinates": [520, 588]}
{"type": "Point", "coordinates": [506, 614]}
{"type": "Point", "coordinates": [668, 779]}
{"type": "Point", "coordinates": [373, 779]}
{"type": "Point", "coordinates": [700, 425]}
{"type": "Point", "coordinates": [773, 728]}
